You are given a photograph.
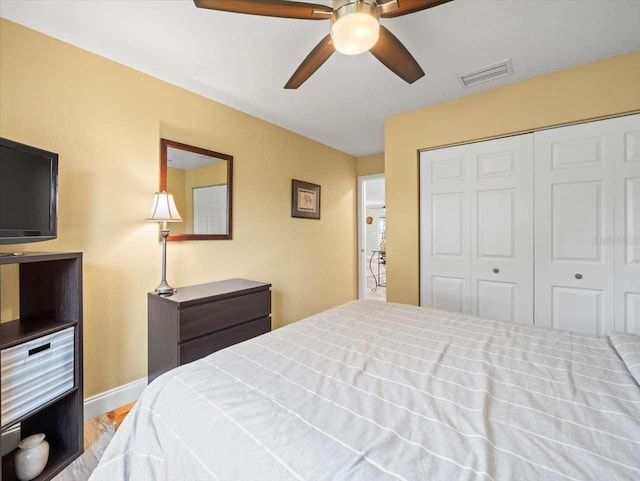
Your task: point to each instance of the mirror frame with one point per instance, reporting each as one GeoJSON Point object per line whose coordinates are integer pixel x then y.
{"type": "Point", "coordinates": [164, 144]}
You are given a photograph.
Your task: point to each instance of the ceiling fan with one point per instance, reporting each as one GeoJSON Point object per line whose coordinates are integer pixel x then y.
{"type": "Point", "coordinates": [355, 28]}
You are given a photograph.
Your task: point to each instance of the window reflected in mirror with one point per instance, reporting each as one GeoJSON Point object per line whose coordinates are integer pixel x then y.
{"type": "Point", "coordinates": [200, 181]}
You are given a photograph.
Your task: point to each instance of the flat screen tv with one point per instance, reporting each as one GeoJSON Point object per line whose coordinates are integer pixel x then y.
{"type": "Point", "coordinates": [28, 193]}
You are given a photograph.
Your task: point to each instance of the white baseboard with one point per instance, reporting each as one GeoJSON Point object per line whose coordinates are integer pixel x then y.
{"type": "Point", "coordinates": [113, 398]}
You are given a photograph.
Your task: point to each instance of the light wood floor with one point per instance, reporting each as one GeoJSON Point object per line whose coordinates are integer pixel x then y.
{"type": "Point", "coordinates": [98, 432]}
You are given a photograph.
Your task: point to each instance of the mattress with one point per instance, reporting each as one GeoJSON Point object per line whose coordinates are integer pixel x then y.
{"type": "Point", "coordinates": [383, 391]}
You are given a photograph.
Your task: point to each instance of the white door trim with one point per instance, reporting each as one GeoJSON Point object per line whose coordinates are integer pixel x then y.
{"type": "Point", "coordinates": [362, 265]}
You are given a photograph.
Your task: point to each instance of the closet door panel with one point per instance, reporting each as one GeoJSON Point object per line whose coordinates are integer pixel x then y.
{"type": "Point", "coordinates": [448, 293]}
{"type": "Point", "coordinates": [497, 300]}
{"type": "Point", "coordinates": [448, 170]}
{"type": "Point", "coordinates": [502, 229]}
{"type": "Point", "coordinates": [574, 215]}
{"type": "Point", "coordinates": [444, 229]}
{"type": "Point", "coordinates": [577, 309]}
{"type": "Point", "coordinates": [577, 221]}
{"type": "Point", "coordinates": [496, 211]}
{"type": "Point", "coordinates": [497, 164]}
{"type": "Point", "coordinates": [627, 235]}
{"type": "Point", "coordinates": [447, 224]}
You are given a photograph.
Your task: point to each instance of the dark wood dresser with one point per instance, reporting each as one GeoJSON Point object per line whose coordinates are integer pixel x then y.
{"type": "Point", "coordinates": [199, 320]}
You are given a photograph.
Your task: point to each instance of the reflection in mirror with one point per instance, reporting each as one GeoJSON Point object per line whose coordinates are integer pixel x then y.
{"type": "Point", "coordinates": [200, 181]}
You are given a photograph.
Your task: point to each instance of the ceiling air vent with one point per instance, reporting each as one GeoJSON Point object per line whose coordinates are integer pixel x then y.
{"type": "Point", "coordinates": [491, 72]}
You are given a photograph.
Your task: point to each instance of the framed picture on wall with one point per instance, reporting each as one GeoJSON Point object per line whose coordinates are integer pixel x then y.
{"type": "Point", "coordinates": [305, 200]}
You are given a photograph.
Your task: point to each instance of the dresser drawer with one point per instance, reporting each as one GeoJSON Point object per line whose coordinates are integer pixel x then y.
{"type": "Point", "coordinates": [35, 372]}
{"type": "Point", "coordinates": [192, 350]}
{"type": "Point", "coordinates": [213, 316]}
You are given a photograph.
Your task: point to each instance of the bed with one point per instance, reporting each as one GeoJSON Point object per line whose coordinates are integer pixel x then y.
{"type": "Point", "coordinates": [384, 391]}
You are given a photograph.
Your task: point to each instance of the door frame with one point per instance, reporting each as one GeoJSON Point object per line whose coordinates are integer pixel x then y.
{"type": "Point", "coordinates": [361, 221]}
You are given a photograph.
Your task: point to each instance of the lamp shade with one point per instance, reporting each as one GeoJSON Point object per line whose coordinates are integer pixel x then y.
{"type": "Point", "coordinates": [163, 208]}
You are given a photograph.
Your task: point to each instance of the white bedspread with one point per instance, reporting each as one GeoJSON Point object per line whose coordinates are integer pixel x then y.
{"type": "Point", "coordinates": [382, 391]}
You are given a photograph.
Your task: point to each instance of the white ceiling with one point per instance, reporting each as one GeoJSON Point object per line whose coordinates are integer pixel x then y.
{"type": "Point", "coordinates": [186, 160]}
{"type": "Point", "coordinates": [244, 60]}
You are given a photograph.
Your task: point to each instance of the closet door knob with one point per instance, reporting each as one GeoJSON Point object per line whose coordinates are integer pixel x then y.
{"type": "Point", "coordinates": [578, 276]}
{"type": "Point", "coordinates": [496, 270]}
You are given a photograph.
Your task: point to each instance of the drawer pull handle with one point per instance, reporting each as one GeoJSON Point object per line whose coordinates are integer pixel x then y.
{"type": "Point", "coordinates": [496, 271]}
{"type": "Point", "coordinates": [38, 349]}
{"type": "Point", "coordinates": [578, 276]}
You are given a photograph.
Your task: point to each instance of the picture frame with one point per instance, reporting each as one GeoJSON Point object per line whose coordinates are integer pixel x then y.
{"type": "Point", "coordinates": [305, 200]}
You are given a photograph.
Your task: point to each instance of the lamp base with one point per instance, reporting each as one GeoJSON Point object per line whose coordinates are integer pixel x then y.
{"type": "Point", "coordinates": [164, 289]}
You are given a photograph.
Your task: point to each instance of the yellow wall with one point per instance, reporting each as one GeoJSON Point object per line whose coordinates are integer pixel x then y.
{"type": "Point", "coordinates": [105, 121]}
{"type": "Point", "coordinates": [590, 91]}
{"type": "Point", "coordinates": [212, 174]}
{"type": "Point", "coordinates": [371, 164]}
{"type": "Point", "coordinates": [176, 187]}
{"type": "Point", "coordinates": [9, 308]}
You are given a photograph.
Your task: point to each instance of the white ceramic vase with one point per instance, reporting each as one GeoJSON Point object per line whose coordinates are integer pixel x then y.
{"type": "Point", "coordinates": [31, 457]}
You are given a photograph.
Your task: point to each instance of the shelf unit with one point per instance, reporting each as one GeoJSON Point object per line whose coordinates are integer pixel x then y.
{"type": "Point", "coordinates": [50, 297]}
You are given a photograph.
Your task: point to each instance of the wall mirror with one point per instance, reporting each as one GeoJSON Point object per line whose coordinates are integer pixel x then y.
{"type": "Point", "coordinates": [201, 183]}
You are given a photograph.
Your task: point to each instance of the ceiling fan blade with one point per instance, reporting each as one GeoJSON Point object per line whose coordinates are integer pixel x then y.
{"type": "Point", "coordinates": [408, 6]}
{"type": "Point", "coordinates": [395, 56]}
{"type": "Point", "coordinates": [269, 8]}
{"type": "Point", "coordinates": [319, 55]}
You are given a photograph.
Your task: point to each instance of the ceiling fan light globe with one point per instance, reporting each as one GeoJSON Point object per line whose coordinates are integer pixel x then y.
{"type": "Point", "coordinates": [355, 28]}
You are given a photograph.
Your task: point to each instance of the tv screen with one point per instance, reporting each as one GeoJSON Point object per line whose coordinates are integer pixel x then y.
{"type": "Point", "coordinates": [28, 193]}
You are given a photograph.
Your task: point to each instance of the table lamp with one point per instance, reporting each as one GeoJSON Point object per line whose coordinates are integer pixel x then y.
{"type": "Point", "coordinates": [163, 210]}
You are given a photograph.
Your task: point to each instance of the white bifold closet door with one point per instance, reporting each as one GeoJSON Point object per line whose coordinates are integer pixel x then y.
{"type": "Point", "coordinates": [587, 219]}
{"type": "Point", "coordinates": [476, 228]}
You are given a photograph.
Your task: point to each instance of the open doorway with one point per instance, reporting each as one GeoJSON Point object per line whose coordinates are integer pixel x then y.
{"type": "Point", "coordinates": [372, 255]}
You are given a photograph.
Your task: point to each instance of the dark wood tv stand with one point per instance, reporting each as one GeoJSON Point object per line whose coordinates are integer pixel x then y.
{"type": "Point", "coordinates": [50, 300]}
